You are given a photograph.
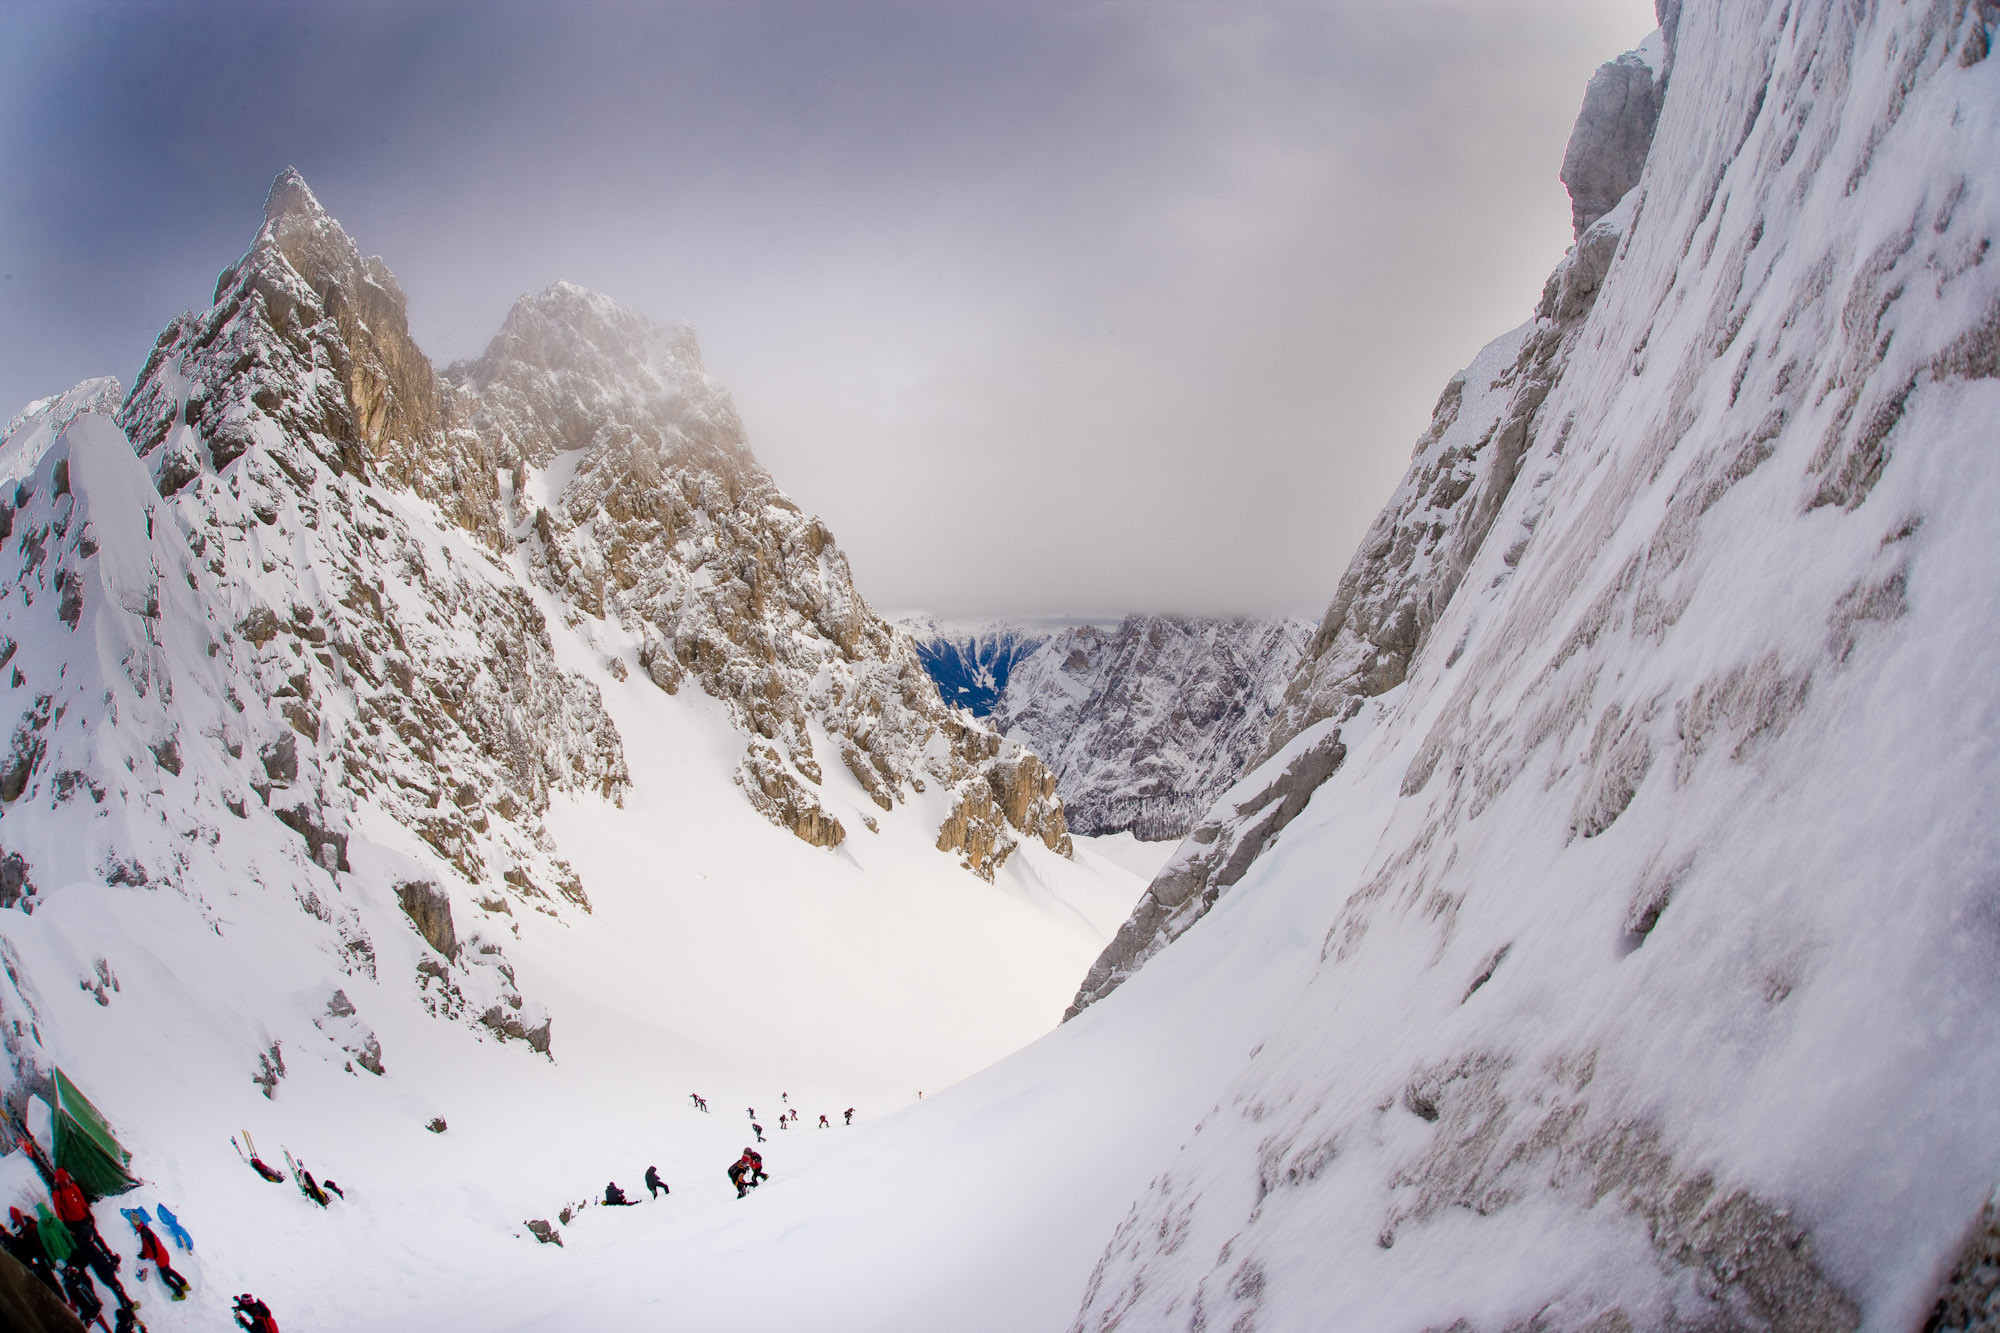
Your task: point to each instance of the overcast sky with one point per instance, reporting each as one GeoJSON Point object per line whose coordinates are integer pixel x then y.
{"type": "Point", "coordinates": [1044, 308]}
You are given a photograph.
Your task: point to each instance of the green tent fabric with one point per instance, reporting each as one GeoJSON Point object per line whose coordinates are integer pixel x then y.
{"type": "Point", "coordinates": [85, 1146]}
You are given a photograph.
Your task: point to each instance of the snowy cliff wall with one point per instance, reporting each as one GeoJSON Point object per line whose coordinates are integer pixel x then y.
{"type": "Point", "coordinates": [1146, 723]}
{"type": "Point", "coordinates": [1661, 997]}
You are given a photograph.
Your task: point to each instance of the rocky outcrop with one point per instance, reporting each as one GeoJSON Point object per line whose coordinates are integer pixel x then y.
{"type": "Point", "coordinates": [1607, 149]}
{"type": "Point", "coordinates": [637, 500]}
{"type": "Point", "coordinates": [1145, 724]}
{"type": "Point", "coordinates": [1210, 860]}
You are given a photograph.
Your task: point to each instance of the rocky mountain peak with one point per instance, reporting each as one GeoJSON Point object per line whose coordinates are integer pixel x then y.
{"type": "Point", "coordinates": [571, 367]}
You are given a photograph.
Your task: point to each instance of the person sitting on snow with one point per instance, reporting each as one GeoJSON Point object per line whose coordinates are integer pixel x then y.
{"type": "Point", "coordinates": [615, 1197]}
{"type": "Point", "coordinates": [151, 1251]}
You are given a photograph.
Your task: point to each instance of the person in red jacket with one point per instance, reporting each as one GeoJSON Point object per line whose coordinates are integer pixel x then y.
{"type": "Point", "coordinates": [73, 1208]}
{"type": "Point", "coordinates": [151, 1251]}
{"type": "Point", "coordinates": [253, 1315]}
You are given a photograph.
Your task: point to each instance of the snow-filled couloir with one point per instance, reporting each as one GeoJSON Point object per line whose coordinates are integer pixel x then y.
{"type": "Point", "coordinates": [1607, 941]}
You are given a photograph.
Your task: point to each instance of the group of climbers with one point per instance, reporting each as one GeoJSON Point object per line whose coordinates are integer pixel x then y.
{"type": "Point", "coordinates": [615, 1197]}
{"type": "Point", "coordinates": [64, 1249]}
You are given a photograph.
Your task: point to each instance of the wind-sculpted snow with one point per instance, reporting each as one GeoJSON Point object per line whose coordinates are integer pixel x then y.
{"type": "Point", "coordinates": [1146, 723]}
{"type": "Point", "coordinates": [640, 504]}
{"type": "Point", "coordinates": [1662, 1000]}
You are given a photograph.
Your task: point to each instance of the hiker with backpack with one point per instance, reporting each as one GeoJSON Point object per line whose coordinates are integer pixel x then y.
{"type": "Point", "coordinates": [849, 1113]}
{"type": "Point", "coordinates": [83, 1297]}
{"type": "Point", "coordinates": [655, 1187]}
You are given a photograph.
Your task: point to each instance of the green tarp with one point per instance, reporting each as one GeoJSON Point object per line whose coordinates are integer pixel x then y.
{"type": "Point", "coordinates": [84, 1144]}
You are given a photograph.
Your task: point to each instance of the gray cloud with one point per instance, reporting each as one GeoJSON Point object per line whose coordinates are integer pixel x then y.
{"type": "Point", "coordinates": [1043, 307]}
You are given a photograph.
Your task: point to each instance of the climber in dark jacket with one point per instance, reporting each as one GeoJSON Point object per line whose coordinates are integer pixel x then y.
{"type": "Point", "coordinates": [655, 1187]}
{"type": "Point", "coordinates": [82, 1297]}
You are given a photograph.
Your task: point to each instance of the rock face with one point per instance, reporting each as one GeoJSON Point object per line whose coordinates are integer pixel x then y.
{"type": "Point", "coordinates": [280, 624]}
{"type": "Point", "coordinates": [1402, 579]}
{"type": "Point", "coordinates": [1653, 685]}
{"type": "Point", "coordinates": [280, 426]}
{"type": "Point", "coordinates": [659, 520]}
{"type": "Point", "coordinates": [1607, 150]}
{"type": "Point", "coordinates": [1144, 725]}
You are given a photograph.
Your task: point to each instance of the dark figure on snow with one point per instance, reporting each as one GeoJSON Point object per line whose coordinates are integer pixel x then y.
{"type": "Point", "coordinates": [849, 1113]}
{"type": "Point", "coordinates": [82, 1297]}
{"type": "Point", "coordinates": [310, 1187]}
{"type": "Point", "coordinates": [758, 1129]}
{"type": "Point", "coordinates": [151, 1251]}
{"type": "Point", "coordinates": [253, 1315]}
{"type": "Point", "coordinates": [127, 1321]}
{"type": "Point", "coordinates": [700, 1102]}
{"type": "Point", "coordinates": [752, 1111]}
{"type": "Point", "coordinates": [25, 1244]}
{"type": "Point", "coordinates": [823, 1124]}
{"type": "Point", "coordinates": [615, 1197]}
{"type": "Point", "coordinates": [73, 1207]}
{"type": "Point", "coordinates": [757, 1171]}
{"type": "Point", "coordinates": [332, 1188]}
{"type": "Point", "coordinates": [655, 1187]}
{"type": "Point", "coordinates": [738, 1169]}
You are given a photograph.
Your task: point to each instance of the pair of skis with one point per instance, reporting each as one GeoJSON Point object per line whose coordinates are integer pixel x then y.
{"type": "Point", "coordinates": [257, 1164]}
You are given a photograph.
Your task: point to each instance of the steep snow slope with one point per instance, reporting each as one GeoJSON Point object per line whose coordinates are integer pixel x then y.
{"type": "Point", "coordinates": [318, 741]}
{"type": "Point", "coordinates": [1628, 961]}
{"type": "Point", "coordinates": [1145, 724]}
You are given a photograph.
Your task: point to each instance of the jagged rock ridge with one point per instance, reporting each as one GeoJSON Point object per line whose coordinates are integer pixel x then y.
{"type": "Point", "coordinates": [1146, 723]}
{"type": "Point", "coordinates": [660, 520]}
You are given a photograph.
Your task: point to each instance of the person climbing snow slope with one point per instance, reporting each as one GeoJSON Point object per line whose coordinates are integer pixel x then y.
{"type": "Point", "coordinates": [655, 1187]}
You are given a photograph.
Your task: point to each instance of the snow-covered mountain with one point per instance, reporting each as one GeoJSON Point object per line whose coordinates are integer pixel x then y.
{"type": "Point", "coordinates": [382, 738]}
{"type": "Point", "coordinates": [1607, 943]}
{"type": "Point", "coordinates": [1144, 724]}
{"type": "Point", "coordinates": [972, 660]}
